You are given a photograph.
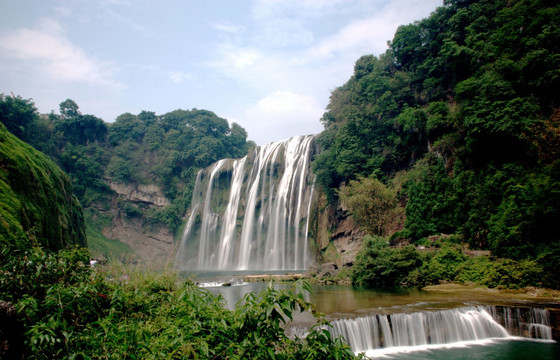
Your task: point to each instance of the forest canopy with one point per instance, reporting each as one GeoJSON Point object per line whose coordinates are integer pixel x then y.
{"type": "Point", "coordinates": [167, 150]}
{"type": "Point", "coordinates": [461, 116]}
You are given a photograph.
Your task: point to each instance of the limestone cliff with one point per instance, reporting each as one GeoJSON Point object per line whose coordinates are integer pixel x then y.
{"type": "Point", "coordinates": [150, 194]}
{"type": "Point", "coordinates": [152, 243]}
{"type": "Point", "coordinates": [337, 236]}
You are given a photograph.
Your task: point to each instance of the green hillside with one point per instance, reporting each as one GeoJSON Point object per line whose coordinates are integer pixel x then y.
{"type": "Point", "coordinates": [37, 206]}
{"type": "Point", "coordinates": [458, 122]}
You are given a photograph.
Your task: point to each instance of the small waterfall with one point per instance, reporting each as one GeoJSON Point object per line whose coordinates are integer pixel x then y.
{"type": "Point", "coordinates": [525, 322]}
{"type": "Point", "coordinates": [252, 213]}
{"type": "Point", "coordinates": [442, 327]}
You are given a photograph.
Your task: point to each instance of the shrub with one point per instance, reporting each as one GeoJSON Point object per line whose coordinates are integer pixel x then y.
{"type": "Point", "coordinates": [378, 265]}
{"type": "Point", "coordinates": [70, 310]}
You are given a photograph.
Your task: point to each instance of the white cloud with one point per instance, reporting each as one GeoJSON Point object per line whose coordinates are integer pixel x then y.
{"type": "Point", "coordinates": [46, 48]}
{"type": "Point", "coordinates": [63, 11]}
{"type": "Point", "coordinates": [371, 34]}
{"type": "Point", "coordinates": [227, 27]}
{"type": "Point", "coordinates": [286, 102]}
{"type": "Point", "coordinates": [281, 115]}
{"type": "Point", "coordinates": [368, 35]}
{"type": "Point", "coordinates": [273, 9]}
{"type": "Point", "coordinates": [238, 58]}
{"type": "Point", "coordinates": [179, 76]}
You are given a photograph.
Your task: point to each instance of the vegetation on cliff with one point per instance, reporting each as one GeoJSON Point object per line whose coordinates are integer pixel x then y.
{"type": "Point", "coordinates": [37, 206]}
{"type": "Point", "coordinates": [459, 118]}
{"type": "Point", "coordinates": [166, 150]}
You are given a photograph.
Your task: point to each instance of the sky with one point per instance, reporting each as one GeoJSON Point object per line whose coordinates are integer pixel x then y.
{"type": "Point", "coordinates": [268, 65]}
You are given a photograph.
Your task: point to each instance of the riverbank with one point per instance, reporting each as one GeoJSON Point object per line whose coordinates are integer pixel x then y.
{"type": "Point", "coordinates": [529, 293]}
{"type": "Point", "coordinates": [271, 277]}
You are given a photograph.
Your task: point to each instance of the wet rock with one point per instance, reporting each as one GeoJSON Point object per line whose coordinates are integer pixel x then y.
{"type": "Point", "coordinates": [555, 323]}
{"type": "Point", "coordinates": [328, 269]}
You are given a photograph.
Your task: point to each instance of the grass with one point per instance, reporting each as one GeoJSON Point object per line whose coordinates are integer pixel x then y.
{"type": "Point", "coordinates": [101, 247]}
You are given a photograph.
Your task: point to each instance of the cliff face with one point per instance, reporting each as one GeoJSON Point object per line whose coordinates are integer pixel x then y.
{"type": "Point", "coordinates": [37, 206]}
{"type": "Point", "coordinates": [338, 238]}
{"type": "Point", "coordinates": [150, 194]}
{"type": "Point", "coordinates": [153, 244]}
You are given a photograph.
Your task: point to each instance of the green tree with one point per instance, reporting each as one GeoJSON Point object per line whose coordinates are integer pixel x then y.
{"type": "Point", "coordinates": [17, 114]}
{"type": "Point", "coordinates": [373, 205]}
{"type": "Point", "coordinates": [69, 109]}
{"type": "Point", "coordinates": [378, 265]}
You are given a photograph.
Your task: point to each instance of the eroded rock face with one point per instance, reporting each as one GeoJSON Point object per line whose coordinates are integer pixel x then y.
{"type": "Point", "coordinates": [148, 194]}
{"type": "Point", "coordinates": [555, 323]}
{"type": "Point", "coordinates": [338, 237]}
{"type": "Point", "coordinates": [153, 246]}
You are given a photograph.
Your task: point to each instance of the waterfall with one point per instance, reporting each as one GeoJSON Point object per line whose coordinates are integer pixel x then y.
{"type": "Point", "coordinates": [442, 327]}
{"type": "Point", "coordinates": [252, 213]}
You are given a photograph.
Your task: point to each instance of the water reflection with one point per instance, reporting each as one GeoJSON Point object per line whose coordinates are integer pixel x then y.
{"type": "Point", "coordinates": [338, 301]}
{"type": "Point", "coordinates": [342, 302]}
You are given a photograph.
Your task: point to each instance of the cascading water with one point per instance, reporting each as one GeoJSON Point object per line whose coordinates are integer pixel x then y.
{"type": "Point", "coordinates": [373, 332]}
{"type": "Point", "coordinates": [252, 213]}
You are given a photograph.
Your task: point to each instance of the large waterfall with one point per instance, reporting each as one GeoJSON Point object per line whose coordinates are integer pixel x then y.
{"type": "Point", "coordinates": [384, 332]}
{"type": "Point", "coordinates": [252, 213]}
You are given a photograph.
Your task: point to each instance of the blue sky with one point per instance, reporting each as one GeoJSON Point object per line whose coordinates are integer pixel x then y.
{"type": "Point", "coordinates": [269, 65]}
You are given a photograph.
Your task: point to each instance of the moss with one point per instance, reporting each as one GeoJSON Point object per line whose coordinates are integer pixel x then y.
{"type": "Point", "coordinates": [37, 203]}
{"type": "Point", "coordinates": [331, 254]}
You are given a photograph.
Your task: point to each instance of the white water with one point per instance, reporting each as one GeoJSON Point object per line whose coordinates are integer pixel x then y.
{"type": "Point", "coordinates": [252, 213]}
{"type": "Point", "coordinates": [383, 334]}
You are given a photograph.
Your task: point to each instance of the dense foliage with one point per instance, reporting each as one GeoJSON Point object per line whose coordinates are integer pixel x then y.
{"type": "Point", "coordinates": [380, 265]}
{"type": "Point", "coordinates": [70, 310]}
{"type": "Point", "coordinates": [36, 201]}
{"type": "Point", "coordinates": [166, 150]}
{"type": "Point", "coordinates": [66, 309]}
{"type": "Point", "coordinates": [460, 117]}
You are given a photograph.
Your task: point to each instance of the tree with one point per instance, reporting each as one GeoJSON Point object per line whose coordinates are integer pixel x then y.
{"type": "Point", "coordinates": [373, 205]}
{"type": "Point", "coordinates": [68, 109]}
{"type": "Point", "coordinates": [17, 114]}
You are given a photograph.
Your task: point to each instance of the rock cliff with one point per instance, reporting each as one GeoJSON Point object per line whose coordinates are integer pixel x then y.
{"type": "Point", "coordinates": [337, 236]}
{"type": "Point", "coordinates": [153, 244]}
{"type": "Point", "coordinates": [150, 194]}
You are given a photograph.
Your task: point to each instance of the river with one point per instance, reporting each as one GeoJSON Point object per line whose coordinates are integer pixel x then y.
{"type": "Point", "coordinates": [347, 306]}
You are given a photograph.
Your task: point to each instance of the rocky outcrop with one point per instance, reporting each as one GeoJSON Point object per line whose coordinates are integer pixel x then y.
{"type": "Point", "coordinates": [152, 245]}
{"type": "Point", "coordinates": [338, 238]}
{"type": "Point", "coordinates": [138, 193]}
{"type": "Point", "coordinates": [555, 323]}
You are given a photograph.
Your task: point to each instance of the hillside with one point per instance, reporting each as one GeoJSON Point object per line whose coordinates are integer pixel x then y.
{"type": "Point", "coordinates": [455, 129]}
{"type": "Point", "coordinates": [134, 177]}
{"type": "Point", "coordinates": [37, 206]}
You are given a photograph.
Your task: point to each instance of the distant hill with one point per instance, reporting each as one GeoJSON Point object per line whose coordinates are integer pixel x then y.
{"type": "Point", "coordinates": [134, 177]}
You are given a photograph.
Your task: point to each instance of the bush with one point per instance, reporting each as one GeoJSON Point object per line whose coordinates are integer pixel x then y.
{"type": "Point", "coordinates": [70, 310]}
{"type": "Point", "coordinates": [378, 265]}
{"type": "Point", "coordinates": [444, 265]}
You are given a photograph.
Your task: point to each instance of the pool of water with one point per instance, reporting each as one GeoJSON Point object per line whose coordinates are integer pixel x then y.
{"type": "Point", "coordinates": [343, 302]}
{"type": "Point", "coordinates": [519, 349]}
{"type": "Point", "coordinates": [339, 301]}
